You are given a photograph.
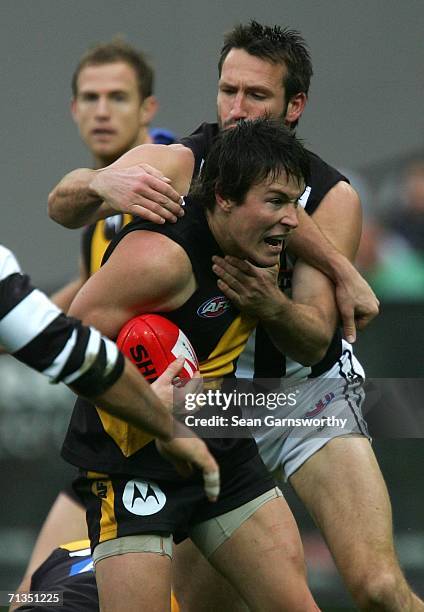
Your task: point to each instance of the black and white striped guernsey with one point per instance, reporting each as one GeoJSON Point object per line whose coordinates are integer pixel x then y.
{"type": "Point", "coordinates": [40, 335]}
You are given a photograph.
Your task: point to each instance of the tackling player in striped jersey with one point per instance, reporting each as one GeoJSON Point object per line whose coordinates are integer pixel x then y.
{"type": "Point", "coordinates": [40, 335]}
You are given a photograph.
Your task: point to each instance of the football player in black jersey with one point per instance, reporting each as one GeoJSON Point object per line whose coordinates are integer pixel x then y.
{"type": "Point", "coordinates": [135, 502]}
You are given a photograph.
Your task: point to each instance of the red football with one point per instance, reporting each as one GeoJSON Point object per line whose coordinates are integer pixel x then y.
{"type": "Point", "coordinates": [152, 342]}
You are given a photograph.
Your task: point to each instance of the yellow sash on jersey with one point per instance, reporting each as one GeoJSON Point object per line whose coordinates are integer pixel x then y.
{"type": "Point", "coordinates": [99, 243]}
{"type": "Point", "coordinates": [220, 362]}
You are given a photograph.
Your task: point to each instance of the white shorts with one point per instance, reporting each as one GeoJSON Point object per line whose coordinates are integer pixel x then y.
{"type": "Point", "coordinates": [326, 407]}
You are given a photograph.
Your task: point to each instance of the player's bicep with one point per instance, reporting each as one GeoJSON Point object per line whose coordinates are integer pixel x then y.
{"type": "Point", "coordinates": [339, 216]}
{"type": "Point", "coordinates": [95, 306]}
{"type": "Point", "coordinates": [313, 288]}
{"type": "Point", "coordinates": [174, 161]}
{"type": "Point", "coordinates": [137, 278]}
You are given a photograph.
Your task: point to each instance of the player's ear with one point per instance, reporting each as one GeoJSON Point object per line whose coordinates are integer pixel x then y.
{"type": "Point", "coordinates": [74, 109]}
{"type": "Point", "coordinates": [148, 109]}
{"type": "Point", "coordinates": [224, 204]}
{"type": "Point", "coordinates": [295, 107]}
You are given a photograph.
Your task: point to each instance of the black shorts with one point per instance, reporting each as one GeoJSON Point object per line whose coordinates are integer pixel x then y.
{"type": "Point", "coordinates": [121, 505]}
{"type": "Point", "coordinates": [69, 491]}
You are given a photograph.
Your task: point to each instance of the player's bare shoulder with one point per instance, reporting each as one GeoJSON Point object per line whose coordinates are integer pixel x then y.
{"type": "Point", "coordinates": [161, 263]}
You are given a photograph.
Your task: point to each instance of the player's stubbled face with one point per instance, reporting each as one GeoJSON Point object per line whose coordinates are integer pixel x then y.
{"type": "Point", "coordinates": [249, 88]}
{"type": "Point", "coordinates": [256, 229]}
{"type": "Point", "coordinates": [108, 109]}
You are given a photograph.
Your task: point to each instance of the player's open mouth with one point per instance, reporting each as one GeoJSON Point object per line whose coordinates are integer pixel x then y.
{"type": "Point", "coordinates": [275, 242]}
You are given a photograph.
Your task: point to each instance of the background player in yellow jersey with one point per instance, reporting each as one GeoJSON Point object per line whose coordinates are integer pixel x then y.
{"type": "Point", "coordinates": [113, 105]}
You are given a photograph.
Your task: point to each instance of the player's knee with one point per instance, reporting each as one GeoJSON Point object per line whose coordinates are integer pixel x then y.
{"type": "Point", "coordinates": [385, 590]}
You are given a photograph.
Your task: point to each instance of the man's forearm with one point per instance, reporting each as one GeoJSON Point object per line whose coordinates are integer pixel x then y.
{"type": "Point", "coordinates": [131, 399]}
{"type": "Point", "coordinates": [331, 247]}
{"type": "Point", "coordinates": [300, 329]}
{"type": "Point", "coordinates": [73, 203]}
{"type": "Point", "coordinates": [296, 330]}
{"type": "Point", "coordinates": [147, 181]}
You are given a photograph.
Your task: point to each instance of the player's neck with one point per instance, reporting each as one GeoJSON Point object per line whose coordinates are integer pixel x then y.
{"type": "Point", "coordinates": [142, 138]}
{"type": "Point", "coordinates": [218, 226]}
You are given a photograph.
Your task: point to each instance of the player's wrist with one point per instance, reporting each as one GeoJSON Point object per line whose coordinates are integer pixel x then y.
{"type": "Point", "coordinates": [169, 433]}
{"type": "Point", "coordinates": [339, 268]}
{"type": "Point", "coordinates": [95, 185]}
{"type": "Point", "coordinates": [274, 308]}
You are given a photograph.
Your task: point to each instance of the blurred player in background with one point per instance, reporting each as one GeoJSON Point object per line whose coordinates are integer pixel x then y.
{"type": "Point", "coordinates": [113, 105]}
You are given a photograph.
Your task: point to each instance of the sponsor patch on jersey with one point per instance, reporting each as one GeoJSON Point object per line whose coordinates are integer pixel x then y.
{"type": "Point", "coordinates": [214, 307]}
{"type": "Point", "coordinates": [143, 498]}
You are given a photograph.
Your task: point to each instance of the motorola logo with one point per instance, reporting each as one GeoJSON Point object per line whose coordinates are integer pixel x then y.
{"type": "Point", "coordinates": [143, 498]}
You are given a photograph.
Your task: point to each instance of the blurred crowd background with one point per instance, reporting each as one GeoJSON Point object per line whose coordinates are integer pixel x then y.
{"type": "Point", "coordinates": [364, 117]}
{"type": "Point", "coordinates": [391, 253]}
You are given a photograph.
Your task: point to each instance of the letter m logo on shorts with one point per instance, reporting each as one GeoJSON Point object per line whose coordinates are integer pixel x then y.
{"type": "Point", "coordinates": [143, 498]}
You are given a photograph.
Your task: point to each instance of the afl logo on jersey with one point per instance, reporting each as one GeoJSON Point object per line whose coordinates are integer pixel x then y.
{"type": "Point", "coordinates": [214, 307]}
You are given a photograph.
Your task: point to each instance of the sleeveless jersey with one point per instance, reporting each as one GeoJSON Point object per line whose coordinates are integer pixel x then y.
{"type": "Point", "coordinates": [261, 358]}
{"type": "Point", "coordinates": [218, 333]}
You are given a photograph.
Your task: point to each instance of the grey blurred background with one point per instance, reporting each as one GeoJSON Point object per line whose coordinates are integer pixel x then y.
{"type": "Point", "coordinates": [365, 115]}
{"type": "Point", "coordinates": [365, 101]}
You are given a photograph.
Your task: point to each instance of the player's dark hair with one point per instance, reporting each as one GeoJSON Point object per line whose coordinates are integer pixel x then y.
{"type": "Point", "coordinates": [247, 154]}
{"type": "Point", "coordinates": [277, 45]}
{"type": "Point", "coordinates": [118, 51]}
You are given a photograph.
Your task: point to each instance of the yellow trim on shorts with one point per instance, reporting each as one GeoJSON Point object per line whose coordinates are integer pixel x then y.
{"type": "Point", "coordinates": [174, 604]}
{"type": "Point", "coordinates": [108, 524]}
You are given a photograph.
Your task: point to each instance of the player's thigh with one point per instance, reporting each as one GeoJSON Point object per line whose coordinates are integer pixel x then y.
{"type": "Point", "coordinates": [266, 550]}
{"type": "Point", "coordinates": [198, 586]}
{"type": "Point", "coordinates": [134, 582]}
{"type": "Point", "coordinates": [344, 491]}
